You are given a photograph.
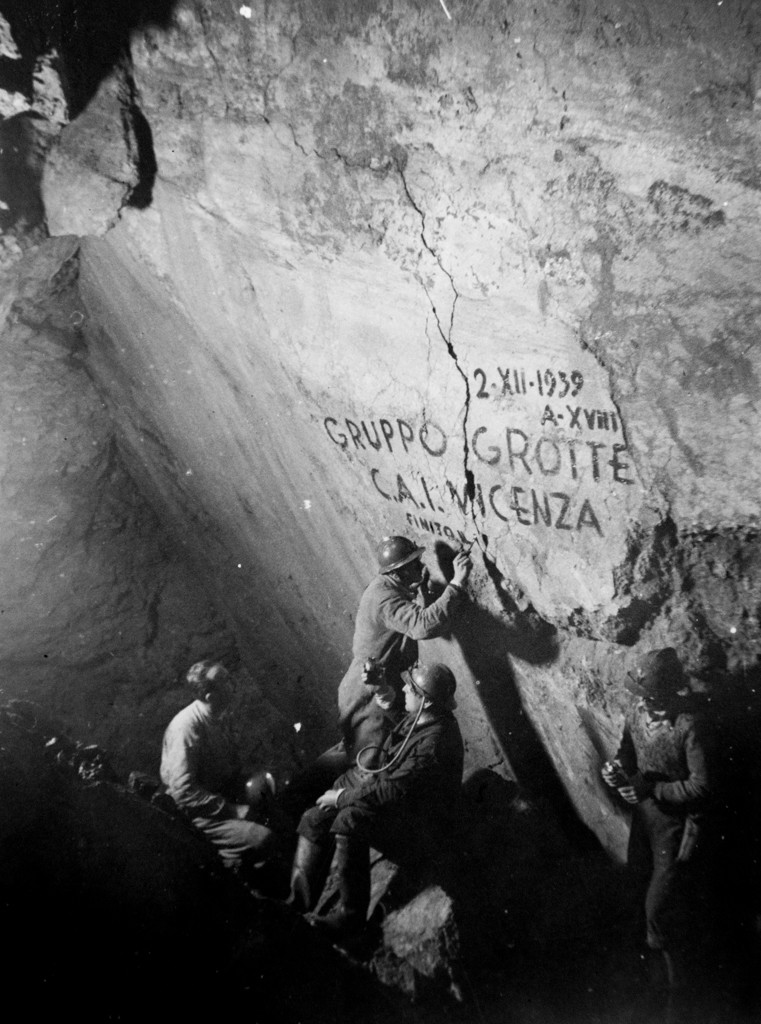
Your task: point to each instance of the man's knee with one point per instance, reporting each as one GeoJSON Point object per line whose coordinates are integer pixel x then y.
{"type": "Point", "coordinates": [360, 822]}
{"type": "Point", "coordinates": [315, 824]}
{"type": "Point", "coordinates": [260, 839]}
{"type": "Point", "coordinates": [234, 838]}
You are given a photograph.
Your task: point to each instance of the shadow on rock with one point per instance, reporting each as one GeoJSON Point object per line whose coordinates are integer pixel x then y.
{"type": "Point", "coordinates": [488, 643]}
{"type": "Point", "coordinates": [91, 37]}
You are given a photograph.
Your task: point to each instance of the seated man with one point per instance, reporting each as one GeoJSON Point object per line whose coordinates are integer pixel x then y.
{"type": "Point", "coordinates": [200, 769]}
{"type": "Point", "coordinates": [400, 806]}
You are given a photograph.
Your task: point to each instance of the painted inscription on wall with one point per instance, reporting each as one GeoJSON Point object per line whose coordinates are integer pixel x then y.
{"type": "Point", "coordinates": [427, 496]}
{"type": "Point", "coordinates": [539, 458]}
{"type": "Point", "coordinates": [550, 384]}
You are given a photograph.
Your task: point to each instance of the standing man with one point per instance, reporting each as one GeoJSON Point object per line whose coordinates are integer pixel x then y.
{"type": "Point", "coordinates": [663, 768]}
{"type": "Point", "coordinates": [200, 769]}
{"type": "Point", "coordinates": [402, 807]}
{"type": "Point", "coordinates": [391, 618]}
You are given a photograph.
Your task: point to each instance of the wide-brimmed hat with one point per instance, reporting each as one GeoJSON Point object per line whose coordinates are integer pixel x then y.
{"type": "Point", "coordinates": [658, 673]}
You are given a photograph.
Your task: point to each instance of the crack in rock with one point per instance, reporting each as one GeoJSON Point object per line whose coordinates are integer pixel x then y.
{"type": "Point", "coordinates": [398, 163]}
{"type": "Point", "coordinates": [206, 25]}
{"type": "Point", "coordinates": [279, 73]}
{"type": "Point", "coordinates": [446, 336]}
{"type": "Point", "coordinates": [298, 144]}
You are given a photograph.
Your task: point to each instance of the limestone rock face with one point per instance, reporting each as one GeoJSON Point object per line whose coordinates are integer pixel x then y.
{"type": "Point", "coordinates": [92, 169]}
{"type": "Point", "coordinates": [100, 613]}
{"type": "Point", "coordinates": [489, 279]}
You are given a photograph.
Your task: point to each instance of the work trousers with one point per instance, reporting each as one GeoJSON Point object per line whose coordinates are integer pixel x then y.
{"type": "Point", "coordinates": [673, 898]}
{"type": "Point", "coordinates": [236, 840]}
{"type": "Point", "coordinates": [398, 833]}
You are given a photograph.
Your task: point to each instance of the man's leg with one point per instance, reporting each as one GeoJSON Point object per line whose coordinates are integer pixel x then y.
{"type": "Point", "coordinates": [665, 906]}
{"type": "Point", "coordinates": [351, 829]}
{"type": "Point", "coordinates": [364, 736]}
{"type": "Point", "coordinates": [363, 723]}
{"type": "Point", "coordinates": [639, 863]}
{"type": "Point", "coordinates": [312, 858]}
{"type": "Point", "coordinates": [351, 869]}
{"type": "Point", "coordinates": [235, 840]}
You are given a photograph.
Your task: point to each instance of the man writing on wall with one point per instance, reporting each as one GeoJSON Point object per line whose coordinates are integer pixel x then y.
{"type": "Point", "coordinates": [393, 615]}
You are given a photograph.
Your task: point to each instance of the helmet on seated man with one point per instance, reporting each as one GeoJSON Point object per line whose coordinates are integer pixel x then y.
{"type": "Point", "coordinates": [435, 683]}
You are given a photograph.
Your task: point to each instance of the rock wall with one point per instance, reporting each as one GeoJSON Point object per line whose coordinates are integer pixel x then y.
{"type": "Point", "coordinates": [350, 269]}
{"type": "Point", "coordinates": [100, 610]}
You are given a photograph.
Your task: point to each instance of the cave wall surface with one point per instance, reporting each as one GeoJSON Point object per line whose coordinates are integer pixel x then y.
{"type": "Point", "coordinates": [350, 269]}
{"type": "Point", "coordinates": [100, 611]}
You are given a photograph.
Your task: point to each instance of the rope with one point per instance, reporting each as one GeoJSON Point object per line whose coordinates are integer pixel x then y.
{"type": "Point", "coordinates": [397, 755]}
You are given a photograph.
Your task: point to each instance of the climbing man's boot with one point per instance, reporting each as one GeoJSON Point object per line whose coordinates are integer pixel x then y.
{"type": "Point", "coordinates": [308, 874]}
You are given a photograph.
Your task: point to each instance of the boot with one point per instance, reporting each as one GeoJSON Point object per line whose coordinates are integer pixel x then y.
{"type": "Point", "coordinates": [308, 874]}
{"type": "Point", "coordinates": [351, 868]}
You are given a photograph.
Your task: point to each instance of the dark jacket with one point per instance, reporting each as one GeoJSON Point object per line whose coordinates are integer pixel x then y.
{"type": "Point", "coordinates": [427, 776]}
{"type": "Point", "coordinates": [390, 621]}
{"type": "Point", "coordinates": [671, 752]}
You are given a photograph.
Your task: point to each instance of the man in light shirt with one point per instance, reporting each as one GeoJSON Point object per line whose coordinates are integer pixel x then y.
{"type": "Point", "coordinates": [201, 771]}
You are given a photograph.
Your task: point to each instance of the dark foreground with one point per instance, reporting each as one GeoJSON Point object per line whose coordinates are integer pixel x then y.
{"type": "Point", "coordinates": [113, 910]}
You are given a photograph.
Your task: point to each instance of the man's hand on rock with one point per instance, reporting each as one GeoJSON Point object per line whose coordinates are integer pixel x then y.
{"type": "Point", "coordinates": [462, 566]}
{"type": "Point", "coordinates": [425, 580]}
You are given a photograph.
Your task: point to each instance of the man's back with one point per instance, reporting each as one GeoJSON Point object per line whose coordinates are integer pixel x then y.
{"type": "Point", "coordinates": [387, 610]}
{"type": "Point", "coordinates": [197, 760]}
